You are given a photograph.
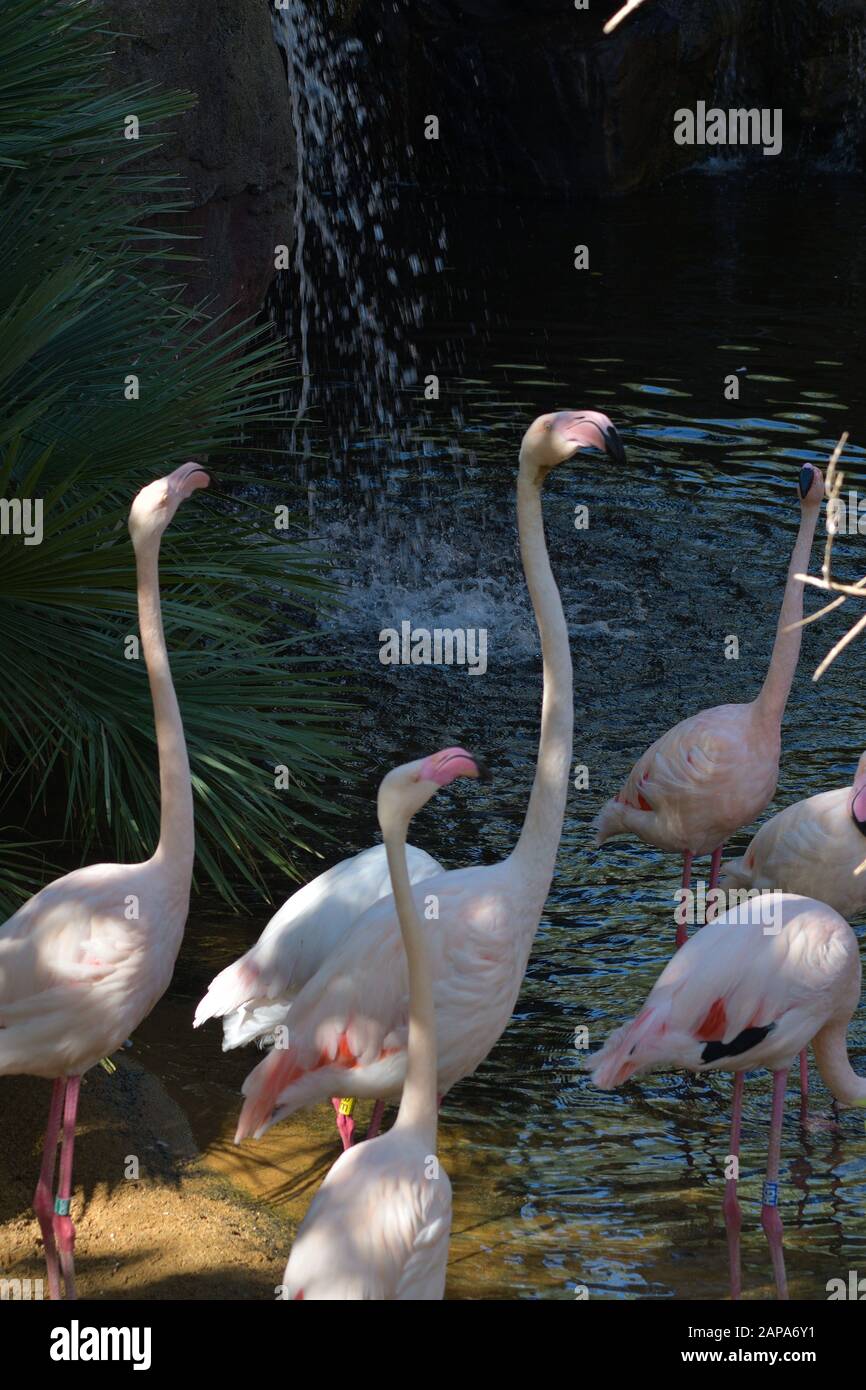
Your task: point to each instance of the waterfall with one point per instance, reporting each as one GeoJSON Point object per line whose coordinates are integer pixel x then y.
{"type": "Point", "coordinates": [352, 298]}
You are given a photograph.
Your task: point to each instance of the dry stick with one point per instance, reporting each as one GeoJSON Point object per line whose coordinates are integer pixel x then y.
{"type": "Point", "coordinates": [833, 586]}
{"type": "Point", "coordinates": [832, 488]}
{"type": "Point", "coordinates": [620, 15]}
{"type": "Point", "coordinates": [858, 590]}
{"type": "Point", "coordinates": [840, 646]}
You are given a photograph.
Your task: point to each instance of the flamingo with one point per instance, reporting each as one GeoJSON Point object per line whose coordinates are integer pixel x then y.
{"type": "Point", "coordinates": [347, 1026]}
{"type": "Point", "coordinates": [254, 994]}
{"type": "Point", "coordinates": [378, 1227]}
{"type": "Point", "coordinates": [717, 771]}
{"type": "Point", "coordinates": [814, 846]}
{"type": "Point", "coordinates": [751, 989]}
{"type": "Point", "coordinates": [88, 957]}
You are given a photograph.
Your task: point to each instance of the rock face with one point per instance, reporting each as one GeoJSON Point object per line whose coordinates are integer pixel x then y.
{"type": "Point", "coordinates": [532, 98]}
{"type": "Point", "coordinates": [235, 152]}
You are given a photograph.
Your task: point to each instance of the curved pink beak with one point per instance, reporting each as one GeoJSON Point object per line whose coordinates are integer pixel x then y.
{"type": "Point", "coordinates": [443, 767]}
{"type": "Point", "coordinates": [590, 429]}
{"type": "Point", "coordinates": [187, 478]}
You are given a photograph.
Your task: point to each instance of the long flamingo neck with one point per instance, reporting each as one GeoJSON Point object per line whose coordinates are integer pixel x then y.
{"type": "Point", "coordinates": [786, 648]}
{"type": "Point", "coordinates": [176, 826]}
{"type": "Point", "coordinates": [831, 1054]}
{"type": "Point", "coordinates": [542, 828]}
{"type": "Point", "coordinates": [419, 1103]}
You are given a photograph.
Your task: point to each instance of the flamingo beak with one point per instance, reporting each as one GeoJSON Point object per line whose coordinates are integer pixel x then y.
{"type": "Point", "coordinates": [444, 767]}
{"type": "Point", "coordinates": [186, 479]}
{"type": "Point", "coordinates": [592, 430]}
{"type": "Point", "coordinates": [807, 475]}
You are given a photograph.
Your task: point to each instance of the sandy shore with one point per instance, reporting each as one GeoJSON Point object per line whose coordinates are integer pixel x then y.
{"type": "Point", "coordinates": [180, 1231]}
{"type": "Point", "coordinates": [204, 1220]}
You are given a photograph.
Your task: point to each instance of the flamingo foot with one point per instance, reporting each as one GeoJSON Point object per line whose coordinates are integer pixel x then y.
{"type": "Point", "coordinates": [772, 1224]}
{"type": "Point", "coordinates": [64, 1234]}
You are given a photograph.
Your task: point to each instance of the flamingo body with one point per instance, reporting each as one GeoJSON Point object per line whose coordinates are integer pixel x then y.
{"type": "Point", "coordinates": [812, 847]}
{"type": "Point", "coordinates": [348, 1025]}
{"type": "Point", "coordinates": [699, 782]}
{"type": "Point", "coordinates": [740, 994]}
{"type": "Point", "coordinates": [78, 974]}
{"type": "Point", "coordinates": [254, 994]}
{"type": "Point", "coordinates": [378, 1227]}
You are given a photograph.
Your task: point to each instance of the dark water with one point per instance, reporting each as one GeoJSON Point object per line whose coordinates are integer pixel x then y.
{"type": "Point", "coordinates": [558, 1185]}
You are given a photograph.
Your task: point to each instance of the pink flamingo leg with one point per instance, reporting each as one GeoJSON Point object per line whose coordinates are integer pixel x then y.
{"type": "Point", "coordinates": [715, 867]}
{"type": "Point", "coordinates": [345, 1124]}
{"type": "Point", "coordinates": [43, 1200]}
{"type": "Point", "coordinates": [682, 934]}
{"type": "Point", "coordinates": [731, 1206]}
{"type": "Point", "coordinates": [770, 1218]}
{"type": "Point", "coordinates": [64, 1230]}
{"type": "Point", "coordinates": [376, 1120]}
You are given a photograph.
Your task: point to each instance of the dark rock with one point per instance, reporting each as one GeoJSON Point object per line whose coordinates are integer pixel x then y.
{"type": "Point", "coordinates": [235, 152]}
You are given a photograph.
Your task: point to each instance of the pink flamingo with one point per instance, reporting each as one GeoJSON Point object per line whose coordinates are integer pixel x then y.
{"type": "Point", "coordinates": [378, 1227]}
{"type": "Point", "coordinates": [717, 771]}
{"type": "Point", "coordinates": [347, 1026]}
{"type": "Point", "coordinates": [254, 994]}
{"type": "Point", "coordinates": [813, 847]}
{"type": "Point", "coordinates": [751, 989]}
{"type": "Point", "coordinates": [86, 959]}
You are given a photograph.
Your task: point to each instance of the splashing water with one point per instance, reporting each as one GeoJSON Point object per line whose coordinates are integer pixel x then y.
{"type": "Point", "coordinates": [353, 297]}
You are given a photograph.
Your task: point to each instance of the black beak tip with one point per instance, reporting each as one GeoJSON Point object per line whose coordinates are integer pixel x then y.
{"type": "Point", "coordinates": [614, 444]}
{"type": "Point", "coordinates": [807, 476]}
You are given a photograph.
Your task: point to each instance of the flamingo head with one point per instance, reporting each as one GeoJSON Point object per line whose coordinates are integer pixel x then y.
{"type": "Point", "coordinates": [810, 485]}
{"type": "Point", "coordinates": [153, 508]}
{"type": "Point", "coordinates": [404, 791]}
{"type": "Point", "coordinates": [857, 802]}
{"type": "Point", "coordinates": [558, 438]}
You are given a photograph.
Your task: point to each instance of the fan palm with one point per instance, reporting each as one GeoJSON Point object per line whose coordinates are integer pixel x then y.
{"type": "Point", "coordinates": [107, 379]}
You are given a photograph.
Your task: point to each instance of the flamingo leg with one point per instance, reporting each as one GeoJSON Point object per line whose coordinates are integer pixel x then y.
{"type": "Point", "coordinates": [715, 867]}
{"type": "Point", "coordinates": [731, 1206]}
{"type": "Point", "coordinates": [345, 1124]}
{"type": "Point", "coordinates": [64, 1229]}
{"type": "Point", "coordinates": [770, 1218]}
{"type": "Point", "coordinates": [43, 1201]}
{"type": "Point", "coordinates": [682, 934]}
{"type": "Point", "coordinates": [376, 1120]}
{"type": "Point", "coordinates": [804, 1081]}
